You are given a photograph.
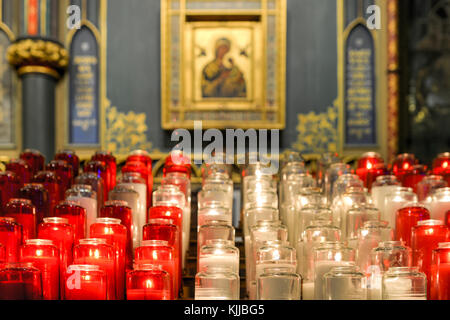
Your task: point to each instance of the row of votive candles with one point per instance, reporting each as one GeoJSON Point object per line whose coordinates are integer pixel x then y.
{"type": "Point", "coordinates": [346, 223]}
{"type": "Point", "coordinates": [80, 225]}
{"type": "Point", "coordinates": [217, 275]}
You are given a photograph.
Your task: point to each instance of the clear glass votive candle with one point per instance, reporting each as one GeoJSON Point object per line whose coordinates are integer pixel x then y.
{"type": "Point", "coordinates": [278, 284]}
{"type": "Point", "coordinates": [219, 253]}
{"type": "Point", "coordinates": [404, 283]}
{"type": "Point", "coordinates": [345, 283]}
{"type": "Point", "coordinates": [216, 283]}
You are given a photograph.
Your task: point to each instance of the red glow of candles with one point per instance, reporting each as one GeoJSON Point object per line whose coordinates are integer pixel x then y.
{"type": "Point", "coordinates": [177, 162]}
{"type": "Point", "coordinates": [167, 212]}
{"type": "Point", "coordinates": [111, 166]}
{"type": "Point", "coordinates": [71, 158]}
{"type": "Point", "coordinates": [21, 169]}
{"type": "Point", "coordinates": [25, 214]}
{"type": "Point", "coordinates": [96, 251]}
{"type": "Point", "coordinates": [406, 218]}
{"type": "Point", "coordinates": [96, 183]}
{"type": "Point", "coordinates": [10, 238]}
{"type": "Point", "coordinates": [2, 253]}
{"type": "Point", "coordinates": [9, 187]}
{"type": "Point", "coordinates": [144, 157]}
{"type": "Point", "coordinates": [413, 176]}
{"type": "Point", "coordinates": [62, 234]}
{"type": "Point", "coordinates": [51, 182]}
{"type": "Point", "coordinates": [158, 252]}
{"type": "Point", "coordinates": [370, 166]}
{"type": "Point", "coordinates": [440, 272]}
{"type": "Point", "coordinates": [20, 281]}
{"type": "Point", "coordinates": [75, 215]}
{"type": "Point", "coordinates": [425, 237]}
{"type": "Point", "coordinates": [45, 256]}
{"type": "Point", "coordinates": [99, 168]}
{"type": "Point", "coordinates": [65, 173]}
{"type": "Point", "coordinates": [115, 234]}
{"type": "Point", "coordinates": [166, 230]}
{"type": "Point", "coordinates": [85, 282]}
{"type": "Point", "coordinates": [441, 165]}
{"type": "Point", "coordinates": [447, 218]}
{"type": "Point", "coordinates": [402, 163]}
{"type": "Point", "coordinates": [38, 195]}
{"type": "Point", "coordinates": [34, 159]}
{"type": "Point", "coordinates": [149, 282]}
{"type": "Point", "coordinates": [120, 210]}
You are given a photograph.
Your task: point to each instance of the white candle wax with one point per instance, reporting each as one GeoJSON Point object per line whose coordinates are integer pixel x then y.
{"type": "Point", "coordinates": [222, 260]}
{"type": "Point", "coordinates": [438, 209]}
{"type": "Point", "coordinates": [140, 216]}
{"type": "Point", "coordinates": [308, 291]}
{"type": "Point", "coordinates": [260, 267]}
{"type": "Point", "coordinates": [90, 205]}
{"type": "Point", "coordinates": [320, 269]}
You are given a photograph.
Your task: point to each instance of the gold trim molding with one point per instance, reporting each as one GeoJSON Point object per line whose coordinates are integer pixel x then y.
{"type": "Point", "coordinates": [43, 56]}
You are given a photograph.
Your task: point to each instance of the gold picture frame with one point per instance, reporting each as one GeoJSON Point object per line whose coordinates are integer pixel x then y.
{"type": "Point", "coordinates": [223, 63]}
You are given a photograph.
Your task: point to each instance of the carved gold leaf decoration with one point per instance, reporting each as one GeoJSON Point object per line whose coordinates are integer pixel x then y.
{"type": "Point", "coordinates": [317, 132]}
{"type": "Point", "coordinates": [126, 132]}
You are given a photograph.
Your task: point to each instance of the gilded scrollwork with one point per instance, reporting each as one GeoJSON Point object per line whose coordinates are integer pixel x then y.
{"type": "Point", "coordinates": [317, 132]}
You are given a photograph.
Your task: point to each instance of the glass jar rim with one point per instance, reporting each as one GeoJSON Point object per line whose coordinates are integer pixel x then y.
{"type": "Point", "coordinates": [105, 220]}
{"type": "Point", "coordinates": [8, 219]}
{"type": "Point", "coordinates": [395, 270]}
{"type": "Point", "coordinates": [117, 203]}
{"type": "Point", "coordinates": [84, 267]}
{"type": "Point", "coordinates": [20, 200]}
{"type": "Point", "coordinates": [391, 243]}
{"type": "Point", "coordinates": [219, 242]}
{"type": "Point", "coordinates": [161, 221]}
{"type": "Point", "coordinates": [444, 245]}
{"type": "Point", "coordinates": [39, 242]}
{"type": "Point", "coordinates": [430, 222]}
{"type": "Point", "coordinates": [56, 220]}
{"type": "Point", "coordinates": [93, 241]}
{"type": "Point", "coordinates": [151, 243]}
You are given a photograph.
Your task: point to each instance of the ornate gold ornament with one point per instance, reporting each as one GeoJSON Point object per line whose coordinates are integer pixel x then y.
{"type": "Point", "coordinates": [38, 55]}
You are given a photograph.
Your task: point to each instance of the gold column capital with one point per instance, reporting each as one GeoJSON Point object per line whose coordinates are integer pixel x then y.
{"type": "Point", "coordinates": [38, 55]}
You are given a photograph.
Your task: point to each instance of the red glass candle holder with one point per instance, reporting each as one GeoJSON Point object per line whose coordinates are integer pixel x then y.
{"type": "Point", "coordinates": [96, 183]}
{"type": "Point", "coordinates": [115, 234]}
{"type": "Point", "coordinates": [62, 234]}
{"type": "Point", "coordinates": [440, 272]}
{"type": "Point", "coordinates": [21, 169]}
{"type": "Point", "coordinates": [99, 168]}
{"type": "Point", "coordinates": [20, 281]}
{"type": "Point", "coordinates": [120, 210]}
{"type": "Point", "coordinates": [149, 282]}
{"type": "Point", "coordinates": [177, 162]}
{"type": "Point", "coordinates": [2, 254]}
{"type": "Point", "coordinates": [370, 165]}
{"type": "Point", "coordinates": [158, 252]}
{"type": "Point", "coordinates": [45, 256]}
{"type": "Point", "coordinates": [51, 182]}
{"type": "Point", "coordinates": [166, 230]}
{"type": "Point", "coordinates": [402, 163]}
{"type": "Point", "coordinates": [65, 173]}
{"type": "Point", "coordinates": [425, 237]}
{"type": "Point", "coordinates": [441, 165]}
{"type": "Point", "coordinates": [413, 176]}
{"type": "Point", "coordinates": [408, 217]}
{"type": "Point", "coordinates": [85, 282]}
{"type": "Point", "coordinates": [34, 159]}
{"type": "Point", "coordinates": [96, 251]}
{"type": "Point", "coordinates": [23, 211]}
{"type": "Point", "coordinates": [71, 158]}
{"type": "Point", "coordinates": [9, 187]}
{"type": "Point", "coordinates": [143, 157]}
{"type": "Point", "coordinates": [447, 218]}
{"type": "Point", "coordinates": [38, 195]}
{"type": "Point", "coordinates": [168, 212]}
{"type": "Point", "coordinates": [11, 238]}
{"type": "Point", "coordinates": [111, 166]}
{"type": "Point", "coordinates": [75, 215]}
